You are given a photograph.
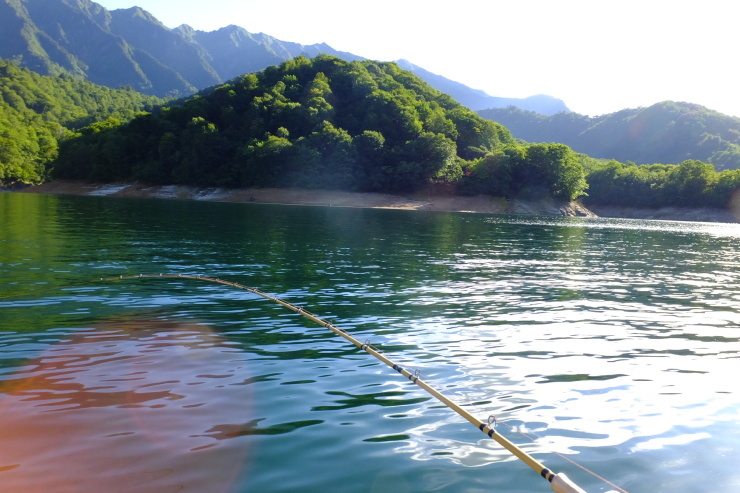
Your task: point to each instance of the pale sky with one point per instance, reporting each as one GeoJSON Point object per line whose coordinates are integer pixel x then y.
{"type": "Point", "coordinates": [599, 56]}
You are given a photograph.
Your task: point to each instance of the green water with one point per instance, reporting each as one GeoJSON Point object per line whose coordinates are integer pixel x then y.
{"type": "Point", "coordinates": [612, 343]}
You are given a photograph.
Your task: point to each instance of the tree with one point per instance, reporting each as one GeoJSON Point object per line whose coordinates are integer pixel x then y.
{"type": "Point", "coordinates": [492, 175]}
{"type": "Point", "coordinates": [429, 158]}
{"type": "Point", "coordinates": [552, 167]}
{"type": "Point", "coordinates": [726, 192]}
{"type": "Point", "coordinates": [316, 99]}
{"type": "Point", "coordinates": [567, 177]}
{"type": "Point", "coordinates": [337, 166]}
{"type": "Point", "coordinates": [202, 153]}
{"type": "Point", "coordinates": [688, 183]}
{"type": "Point", "coordinates": [372, 158]}
{"type": "Point", "coordinates": [263, 162]}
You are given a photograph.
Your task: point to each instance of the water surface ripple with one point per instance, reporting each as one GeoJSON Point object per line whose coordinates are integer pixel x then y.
{"type": "Point", "coordinates": [611, 342]}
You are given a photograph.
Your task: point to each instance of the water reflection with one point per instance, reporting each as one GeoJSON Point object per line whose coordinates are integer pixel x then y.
{"type": "Point", "coordinates": [132, 405]}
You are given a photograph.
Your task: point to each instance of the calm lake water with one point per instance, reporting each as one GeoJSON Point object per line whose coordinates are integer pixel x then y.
{"type": "Point", "coordinates": [610, 343]}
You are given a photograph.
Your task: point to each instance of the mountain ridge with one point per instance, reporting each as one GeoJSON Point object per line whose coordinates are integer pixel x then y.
{"type": "Point", "coordinates": [131, 47]}
{"type": "Point", "coordinates": [477, 100]}
{"type": "Point", "coordinates": [666, 132]}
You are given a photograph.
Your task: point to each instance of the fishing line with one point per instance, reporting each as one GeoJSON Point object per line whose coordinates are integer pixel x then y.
{"type": "Point", "coordinates": [534, 438]}
{"type": "Point", "coordinates": [41, 291]}
{"type": "Point", "coordinates": [559, 482]}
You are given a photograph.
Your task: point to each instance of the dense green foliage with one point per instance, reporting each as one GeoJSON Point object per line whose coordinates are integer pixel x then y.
{"type": "Point", "coordinates": [528, 171]}
{"type": "Point", "coordinates": [37, 112]}
{"type": "Point", "coordinates": [321, 123]}
{"type": "Point", "coordinates": [689, 184]}
{"type": "Point", "coordinates": [666, 132]}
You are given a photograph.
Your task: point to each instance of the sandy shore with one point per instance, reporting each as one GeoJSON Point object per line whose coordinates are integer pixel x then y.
{"type": "Point", "coordinates": [479, 203]}
{"type": "Point", "coordinates": [426, 202]}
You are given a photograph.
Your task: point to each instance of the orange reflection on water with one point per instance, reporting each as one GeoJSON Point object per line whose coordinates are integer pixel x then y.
{"type": "Point", "coordinates": [136, 405]}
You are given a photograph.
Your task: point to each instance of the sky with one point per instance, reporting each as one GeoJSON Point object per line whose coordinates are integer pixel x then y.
{"type": "Point", "coordinates": [599, 56]}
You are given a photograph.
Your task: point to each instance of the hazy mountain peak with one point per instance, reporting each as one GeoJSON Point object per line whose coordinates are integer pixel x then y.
{"type": "Point", "coordinates": [477, 99]}
{"type": "Point", "coordinates": [88, 6]}
{"type": "Point", "coordinates": [186, 30]}
{"type": "Point", "coordinates": [139, 13]}
{"type": "Point", "coordinates": [232, 28]}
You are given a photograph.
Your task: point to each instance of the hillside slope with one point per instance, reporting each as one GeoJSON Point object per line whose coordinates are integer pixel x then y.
{"type": "Point", "coordinates": [666, 132]}
{"type": "Point", "coordinates": [316, 123]}
{"type": "Point", "coordinates": [37, 112]}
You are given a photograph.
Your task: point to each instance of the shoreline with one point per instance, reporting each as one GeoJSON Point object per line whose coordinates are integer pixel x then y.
{"type": "Point", "coordinates": [419, 201]}
{"type": "Point", "coordinates": [327, 198]}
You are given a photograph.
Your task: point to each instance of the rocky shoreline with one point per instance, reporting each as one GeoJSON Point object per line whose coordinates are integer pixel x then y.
{"type": "Point", "coordinates": [699, 214]}
{"type": "Point", "coordinates": [420, 201]}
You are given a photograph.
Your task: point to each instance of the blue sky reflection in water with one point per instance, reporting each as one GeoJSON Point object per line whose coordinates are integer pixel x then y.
{"type": "Point", "coordinates": [614, 342]}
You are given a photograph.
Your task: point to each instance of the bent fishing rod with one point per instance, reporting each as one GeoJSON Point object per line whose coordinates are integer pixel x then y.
{"type": "Point", "coordinates": [559, 482]}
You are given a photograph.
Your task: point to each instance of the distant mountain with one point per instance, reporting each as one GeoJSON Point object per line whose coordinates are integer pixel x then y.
{"type": "Point", "coordinates": [476, 99]}
{"type": "Point", "coordinates": [666, 132]}
{"type": "Point", "coordinates": [78, 37]}
{"type": "Point", "coordinates": [131, 48]}
{"type": "Point", "coordinates": [234, 51]}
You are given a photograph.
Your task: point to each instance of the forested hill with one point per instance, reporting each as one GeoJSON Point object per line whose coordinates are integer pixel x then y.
{"type": "Point", "coordinates": [323, 123]}
{"type": "Point", "coordinates": [36, 112]}
{"type": "Point", "coordinates": [666, 132]}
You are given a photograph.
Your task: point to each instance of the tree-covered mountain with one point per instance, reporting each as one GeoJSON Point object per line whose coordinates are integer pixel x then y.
{"type": "Point", "coordinates": [323, 123]}
{"type": "Point", "coordinates": [130, 47]}
{"type": "Point", "coordinates": [37, 112]}
{"type": "Point", "coordinates": [666, 132]}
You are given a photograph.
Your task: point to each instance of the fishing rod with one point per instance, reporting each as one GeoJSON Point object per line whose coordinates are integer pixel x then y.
{"type": "Point", "coordinates": [559, 482]}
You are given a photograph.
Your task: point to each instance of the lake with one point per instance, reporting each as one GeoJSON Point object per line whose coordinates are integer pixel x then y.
{"type": "Point", "coordinates": [597, 344]}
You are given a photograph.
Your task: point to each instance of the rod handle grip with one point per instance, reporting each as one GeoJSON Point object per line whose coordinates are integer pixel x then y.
{"type": "Point", "coordinates": [561, 484]}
